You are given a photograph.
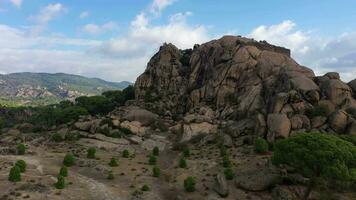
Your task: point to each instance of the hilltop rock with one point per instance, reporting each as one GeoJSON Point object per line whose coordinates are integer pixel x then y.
{"type": "Point", "coordinates": [240, 79]}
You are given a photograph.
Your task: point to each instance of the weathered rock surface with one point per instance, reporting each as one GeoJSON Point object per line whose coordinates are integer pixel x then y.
{"type": "Point", "coordinates": [241, 79]}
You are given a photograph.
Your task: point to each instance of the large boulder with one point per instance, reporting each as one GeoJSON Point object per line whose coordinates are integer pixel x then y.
{"type": "Point", "coordinates": [143, 116]}
{"type": "Point", "coordinates": [221, 186]}
{"type": "Point", "coordinates": [257, 178]}
{"type": "Point", "coordinates": [338, 121]}
{"type": "Point", "coordinates": [193, 130]}
{"type": "Point", "coordinates": [352, 85]}
{"type": "Point", "coordinates": [135, 127]}
{"type": "Point", "coordinates": [338, 92]}
{"type": "Point", "coordinates": [278, 125]}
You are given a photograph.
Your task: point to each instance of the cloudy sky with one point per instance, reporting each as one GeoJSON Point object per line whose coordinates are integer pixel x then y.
{"type": "Point", "coordinates": [114, 39]}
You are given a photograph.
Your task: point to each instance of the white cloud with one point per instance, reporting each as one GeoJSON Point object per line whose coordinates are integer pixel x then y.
{"type": "Point", "coordinates": [84, 14]}
{"type": "Point", "coordinates": [158, 5]}
{"type": "Point", "coordinates": [45, 15]}
{"type": "Point", "coordinates": [96, 29]}
{"type": "Point", "coordinates": [17, 3]}
{"type": "Point", "coordinates": [319, 53]}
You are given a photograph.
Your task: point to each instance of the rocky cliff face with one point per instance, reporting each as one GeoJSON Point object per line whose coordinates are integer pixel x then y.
{"type": "Point", "coordinates": [242, 79]}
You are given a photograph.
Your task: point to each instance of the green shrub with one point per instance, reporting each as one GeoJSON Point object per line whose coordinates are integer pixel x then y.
{"type": "Point", "coordinates": [63, 171]}
{"type": "Point", "coordinates": [186, 152]}
{"type": "Point", "coordinates": [72, 136]}
{"type": "Point", "coordinates": [155, 151]}
{"type": "Point", "coordinates": [145, 188]}
{"type": "Point", "coordinates": [56, 137]}
{"type": "Point", "coordinates": [115, 134]}
{"type": "Point", "coordinates": [319, 110]}
{"type": "Point", "coordinates": [182, 163]}
{"type": "Point", "coordinates": [125, 153]}
{"type": "Point", "coordinates": [156, 171]}
{"type": "Point", "coordinates": [349, 138]}
{"type": "Point", "coordinates": [152, 160]}
{"type": "Point", "coordinates": [60, 182]}
{"type": "Point", "coordinates": [226, 162]}
{"type": "Point", "coordinates": [105, 131]}
{"type": "Point", "coordinates": [91, 153]}
{"type": "Point", "coordinates": [21, 149]}
{"type": "Point", "coordinates": [125, 131]}
{"type": "Point", "coordinates": [223, 151]}
{"type": "Point", "coordinates": [111, 175]}
{"type": "Point", "coordinates": [15, 174]}
{"type": "Point", "coordinates": [95, 104]}
{"type": "Point", "coordinates": [113, 162]}
{"type": "Point", "coordinates": [229, 174]}
{"type": "Point", "coordinates": [68, 160]}
{"type": "Point", "coordinates": [189, 184]}
{"type": "Point", "coordinates": [261, 145]}
{"type": "Point", "coordinates": [317, 156]}
{"type": "Point", "coordinates": [22, 165]}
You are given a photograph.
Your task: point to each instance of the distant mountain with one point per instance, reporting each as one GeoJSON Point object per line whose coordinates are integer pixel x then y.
{"type": "Point", "coordinates": [44, 88]}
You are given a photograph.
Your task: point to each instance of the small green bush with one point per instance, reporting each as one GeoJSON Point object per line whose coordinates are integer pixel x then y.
{"type": "Point", "coordinates": [152, 160]}
{"type": "Point", "coordinates": [145, 188]}
{"type": "Point", "coordinates": [226, 162]}
{"type": "Point", "coordinates": [111, 175]}
{"type": "Point", "coordinates": [113, 162]}
{"type": "Point", "coordinates": [223, 151]}
{"type": "Point", "coordinates": [156, 171]}
{"type": "Point", "coordinates": [186, 152]}
{"type": "Point", "coordinates": [261, 145]}
{"type": "Point", "coordinates": [21, 149]}
{"type": "Point", "coordinates": [22, 165]}
{"type": "Point", "coordinates": [91, 153]}
{"type": "Point", "coordinates": [229, 173]}
{"type": "Point", "coordinates": [155, 151]}
{"type": "Point", "coordinates": [126, 153]}
{"type": "Point", "coordinates": [60, 182]}
{"type": "Point", "coordinates": [182, 163]}
{"type": "Point", "coordinates": [56, 137]}
{"type": "Point", "coordinates": [15, 174]}
{"type": "Point", "coordinates": [68, 160]}
{"type": "Point", "coordinates": [63, 171]}
{"type": "Point", "coordinates": [319, 110]}
{"type": "Point", "coordinates": [189, 184]}
{"type": "Point", "coordinates": [107, 121]}
{"type": "Point", "coordinates": [125, 131]}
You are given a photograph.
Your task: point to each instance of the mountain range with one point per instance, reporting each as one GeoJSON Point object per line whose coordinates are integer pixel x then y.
{"type": "Point", "coordinates": [45, 88]}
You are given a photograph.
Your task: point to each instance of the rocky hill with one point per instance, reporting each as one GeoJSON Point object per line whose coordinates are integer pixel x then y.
{"type": "Point", "coordinates": [44, 88]}
{"type": "Point", "coordinates": [214, 122]}
{"type": "Point", "coordinates": [255, 84]}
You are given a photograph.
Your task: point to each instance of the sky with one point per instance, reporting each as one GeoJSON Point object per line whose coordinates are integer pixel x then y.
{"type": "Point", "coordinates": [114, 39]}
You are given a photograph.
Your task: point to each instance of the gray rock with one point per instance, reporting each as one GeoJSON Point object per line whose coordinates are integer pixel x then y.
{"type": "Point", "coordinates": [221, 186]}
{"type": "Point", "coordinates": [278, 125]}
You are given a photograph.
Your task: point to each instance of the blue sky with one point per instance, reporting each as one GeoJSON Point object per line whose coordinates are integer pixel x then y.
{"type": "Point", "coordinates": [114, 39]}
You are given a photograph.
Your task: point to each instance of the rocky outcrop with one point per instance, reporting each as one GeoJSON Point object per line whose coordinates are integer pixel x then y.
{"type": "Point", "coordinates": [241, 79]}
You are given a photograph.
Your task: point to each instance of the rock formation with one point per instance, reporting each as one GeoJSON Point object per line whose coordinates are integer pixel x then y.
{"type": "Point", "coordinates": [242, 79]}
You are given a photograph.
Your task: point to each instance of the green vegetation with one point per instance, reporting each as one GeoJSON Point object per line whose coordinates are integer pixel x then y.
{"type": "Point", "coordinates": [152, 160]}
{"type": "Point", "coordinates": [319, 110]}
{"type": "Point", "coordinates": [156, 171]}
{"type": "Point", "coordinates": [21, 149]}
{"type": "Point", "coordinates": [155, 151]}
{"type": "Point", "coordinates": [318, 156]}
{"type": "Point", "coordinates": [15, 174]}
{"type": "Point", "coordinates": [113, 162]}
{"type": "Point", "coordinates": [68, 160]}
{"type": "Point", "coordinates": [189, 184]}
{"type": "Point", "coordinates": [111, 175]}
{"type": "Point", "coordinates": [60, 182]}
{"type": "Point", "coordinates": [186, 152]}
{"type": "Point", "coordinates": [229, 173]}
{"type": "Point", "coordinates": [126, 153]}
{"type": "Point", "coordinates": [226, 161]}
{"type": "Point", "coordinates": [91, 153]}
{"type": "Point", "coordinates": [223, 151]}
{"type": "Point", "coordinates": [63, 171]}
{"type": "Point", "coordinates": [22, 165]}
{"type": "Point", "coordinates": [145, 188]}
{"type": "Point", "coordinates": [56, 137]}
{"type": "Point", "coordinates": [182, 163]}
{"type": "Point", "coordinates": [261, 145]}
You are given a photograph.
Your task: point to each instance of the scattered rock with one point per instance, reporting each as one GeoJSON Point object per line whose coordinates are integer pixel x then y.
{"type": "Point", "coordinates": [221, 186]}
